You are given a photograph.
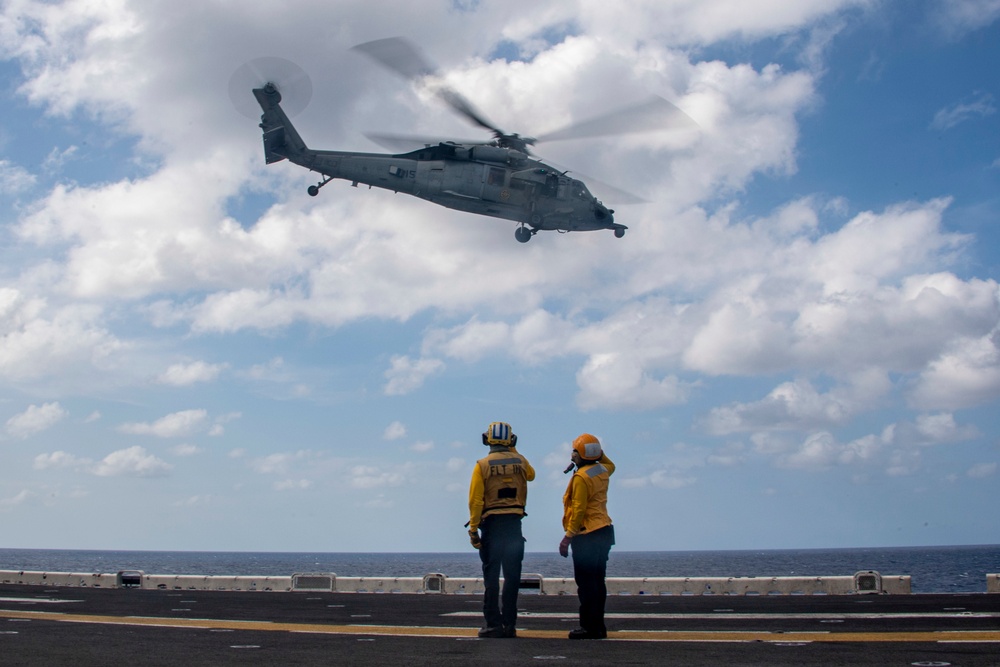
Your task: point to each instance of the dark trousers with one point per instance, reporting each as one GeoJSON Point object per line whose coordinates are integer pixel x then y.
{"type": "Point", "coordinates": [590, 566]}
{"type": "Point", "coordinates": [502, 548]}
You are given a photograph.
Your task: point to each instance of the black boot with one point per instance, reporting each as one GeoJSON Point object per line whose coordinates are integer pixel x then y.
{"type": "Point", "coordinates": [581, 633]}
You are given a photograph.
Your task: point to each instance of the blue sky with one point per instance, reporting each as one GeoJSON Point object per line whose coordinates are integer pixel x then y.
{"type": "Point", "coordinates": [797, 344]}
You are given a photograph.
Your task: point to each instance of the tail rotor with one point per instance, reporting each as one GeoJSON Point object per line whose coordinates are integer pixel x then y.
{"type": "Point", "coordinates": [290, 80]}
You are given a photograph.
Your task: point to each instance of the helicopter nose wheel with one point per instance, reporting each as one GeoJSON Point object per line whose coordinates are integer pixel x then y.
{"type": "Point", "coordinates": [524, 234]}
{"type": "Point", "coordinates": [619, 232]}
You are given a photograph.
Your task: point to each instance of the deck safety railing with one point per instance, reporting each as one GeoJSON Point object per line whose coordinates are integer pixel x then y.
{"type": "Point", "coordinates": [863, 582]}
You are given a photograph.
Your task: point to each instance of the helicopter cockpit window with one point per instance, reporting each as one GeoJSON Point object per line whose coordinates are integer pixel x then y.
{"type": "Point", "coordinates": [496, 176]}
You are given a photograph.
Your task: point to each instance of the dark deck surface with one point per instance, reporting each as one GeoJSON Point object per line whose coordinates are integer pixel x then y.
{"type": "Point", "coordinates": [86, 626]}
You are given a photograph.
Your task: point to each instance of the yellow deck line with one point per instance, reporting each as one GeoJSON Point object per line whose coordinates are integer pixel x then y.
{"type": "Point", "coordinates": [460, 633]}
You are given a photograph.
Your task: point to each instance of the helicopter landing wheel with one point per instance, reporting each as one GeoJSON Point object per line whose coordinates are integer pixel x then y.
{"type": "Point", "coordinates": [313, 190]}
{"type": "Point", "coordinates": [619, 233]}
{"type": "Point", "coordinates": [523, 234]}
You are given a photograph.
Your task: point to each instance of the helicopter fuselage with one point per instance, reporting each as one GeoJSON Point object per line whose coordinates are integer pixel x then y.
{"type": "Point", "coordinates": [488, 180]}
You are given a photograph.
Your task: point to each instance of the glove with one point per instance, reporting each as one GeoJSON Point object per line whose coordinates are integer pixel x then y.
{"type": "Point", "coordinates": [474, 539]}
{"type": "Point", "coordinates": [564, 546]}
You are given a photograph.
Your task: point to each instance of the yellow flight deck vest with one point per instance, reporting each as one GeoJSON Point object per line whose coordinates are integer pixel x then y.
{"type": "Point", "coordinates": [595, 514]}
{"type": "Point", "coordinates": [506, 483]}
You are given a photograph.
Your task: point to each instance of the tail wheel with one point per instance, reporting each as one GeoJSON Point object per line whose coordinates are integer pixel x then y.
{"type": "Point", "coordinates": [313, 190]}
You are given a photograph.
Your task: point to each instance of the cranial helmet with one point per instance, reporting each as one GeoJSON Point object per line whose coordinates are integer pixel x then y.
{"type": "Point", "coordinates": [499, 433]}
{"type": "Point", "coordinates": [588, 447]}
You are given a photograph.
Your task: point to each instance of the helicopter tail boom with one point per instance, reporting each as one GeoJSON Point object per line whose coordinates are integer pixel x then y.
{"type": "Point", "coordinates": [281, 140]}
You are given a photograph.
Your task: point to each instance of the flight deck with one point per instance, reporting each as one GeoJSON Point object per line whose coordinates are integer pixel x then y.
{"type": "Point", "coordinates": [52, 622]}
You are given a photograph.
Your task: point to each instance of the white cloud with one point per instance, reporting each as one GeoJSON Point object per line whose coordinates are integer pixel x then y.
{"type": "Point", "coordinates": [218, 429]}
{"type": "Point", "coordinates": [14, 179]}
{"type": "Point", "coordinates": [798, 405]}
{"type": "Point", "coordinates": [35, 420]}
{"type": "Point", "coordinates": [903, 462]}
{"type": "Point", "coordinates": [57, 159]}
{"type": "Point", "coordinates": [821, 450]}
{"type": "Point", "coordinates": [132, 462]}
{"type": "Point", "coordinates": [380, 501]}
{"type": "Point", "coordinates": [371, 477]}
{"type": "Point", "coordinates": [957, 17]}
{"type": "Point", "coordinates": [175, 425]}
{"type": "Point", "coordinates": [690, 23]}
{"type": "Point", "coordinates": [406, 375]}
{"type": "Point", "coordinates": [663, 478]}
{"type": "Point", "coordinates": [292, 485]}
{"type": "Point", "coordinates": [182, 375]}
{"type": "Point", "coordinates": [729, 455]}
{"type": "Point", "coordinates": [276, 463]}
{"type": "Point", "coordinates": [6, 504]}
{"type": "Point", "coordinates": [618, 380]}
{"type": "Point", "coordinates": [422, 446]}
{"type": "Point", "coordinates": [63, 345]}
{"type": "Point", "coordinates": [851, 304]}
{"type": "Point", "coordinates": [185, 450]}
{"type": "Point", "coordinates": [194, 501]}
{"type": "Point", "coordinates": [60, 459]}
{"type": "Point", "coordinates": [942, 428]}
{"type": "Point", "coordinates": [949, 117]}
{"type": "Point", "coordinates": [394, 431]}
{"type": "Point", "coordinates": [897, 449]}
{"type": "Point", "coordinates": [982, 470]}
{"type": "Point", "coordinates": [967, 373]}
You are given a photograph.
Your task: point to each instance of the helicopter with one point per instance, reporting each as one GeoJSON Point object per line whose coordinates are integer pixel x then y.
{"type": "Point", "coordinates": [499, 178]}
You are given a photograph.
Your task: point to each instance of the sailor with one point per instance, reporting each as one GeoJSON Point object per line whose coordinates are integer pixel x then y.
{"type": "Point", "coordinates": [497, 498]}
{"type": "Point", "coordinates": [589, 532]}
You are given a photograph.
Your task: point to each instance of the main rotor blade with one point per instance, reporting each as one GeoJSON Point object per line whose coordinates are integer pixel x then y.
{"type": "Point", "coordinates": [403, 58]}
{"type": "Point", "coordinates": [458, 102]}
{"type": "Point", "coordinates": [398, 55]}
{"type": "Point", "coordinates": [655, 113]}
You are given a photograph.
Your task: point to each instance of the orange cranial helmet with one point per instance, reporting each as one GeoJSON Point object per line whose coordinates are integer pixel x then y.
{"type": "Point", "coordinates": [588, 447]}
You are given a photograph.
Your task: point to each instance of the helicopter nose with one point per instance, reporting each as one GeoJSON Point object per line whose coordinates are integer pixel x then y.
{"type": "Point", "coordinates": [603, 213]}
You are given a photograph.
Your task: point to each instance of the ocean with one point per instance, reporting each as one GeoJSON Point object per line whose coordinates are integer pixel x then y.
{"type": "Point", "coordinates": [947, 569]}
